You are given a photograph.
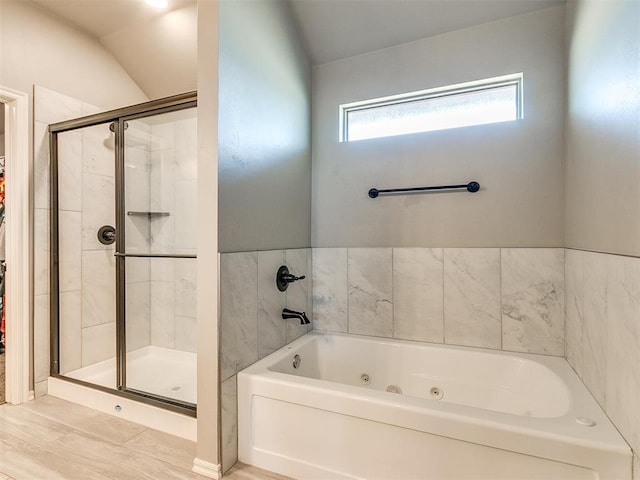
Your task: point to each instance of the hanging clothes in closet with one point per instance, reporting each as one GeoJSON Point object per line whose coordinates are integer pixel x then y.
{"type": "Point", "coordinates": [2, 258]}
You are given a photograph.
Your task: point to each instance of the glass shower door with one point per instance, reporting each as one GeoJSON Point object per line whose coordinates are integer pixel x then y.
{"type": "Point", "coordinates": [157, 255]}
{"type": "Point", "coordinates": [84, 183]}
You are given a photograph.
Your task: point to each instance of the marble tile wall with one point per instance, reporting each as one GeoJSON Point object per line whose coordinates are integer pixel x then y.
{"type": "Point", "coordinates": [603, 333]}
{"type": "Point", "coordinates": [251, 323]}
{"type": "Point", "coordinates": [86, 198]}
{"type": "Point", "coordinates": [509, 298]}
{"type": "Point", "coordinates": [173, 179]}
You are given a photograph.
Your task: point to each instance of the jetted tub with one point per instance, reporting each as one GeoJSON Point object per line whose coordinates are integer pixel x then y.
{"type": "Point", "coordinates": [371, 408]}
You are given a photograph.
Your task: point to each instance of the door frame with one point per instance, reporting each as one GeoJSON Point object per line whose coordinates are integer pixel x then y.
{"type": "Point", "coordinates": [19, 241]}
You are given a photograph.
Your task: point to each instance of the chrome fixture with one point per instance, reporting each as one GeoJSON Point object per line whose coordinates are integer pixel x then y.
{"type": "Point", "coordinates": [284, 278]}
{"type": "Point", "coordinates": [302, 316]}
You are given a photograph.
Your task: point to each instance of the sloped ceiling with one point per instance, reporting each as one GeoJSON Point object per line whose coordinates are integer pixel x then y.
{"type": "Point", "coordinates": [335, 29]}
{"type": "Point", "coordinates": [157, 47]}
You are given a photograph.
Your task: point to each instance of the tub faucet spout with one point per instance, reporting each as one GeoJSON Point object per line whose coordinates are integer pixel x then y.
{"type": "Point", "coordinates": [302, 316]}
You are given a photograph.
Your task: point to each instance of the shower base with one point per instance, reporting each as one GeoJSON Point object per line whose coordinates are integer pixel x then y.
{"type": "Point", "coordinates": [161, 371]}
{"type": "Point", "coordinates": [150, 369]}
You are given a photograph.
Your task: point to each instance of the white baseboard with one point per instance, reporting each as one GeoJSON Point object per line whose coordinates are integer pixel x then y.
{"type": "Point", "coordinates": [207, 469]}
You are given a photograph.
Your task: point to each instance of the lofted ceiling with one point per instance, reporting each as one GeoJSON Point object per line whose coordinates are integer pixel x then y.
{"type": "Point", "coordinates": [158, 48]}
{"type": "Point", "coordinates": [335, 29]}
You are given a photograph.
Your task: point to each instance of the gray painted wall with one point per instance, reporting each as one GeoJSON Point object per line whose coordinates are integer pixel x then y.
{"type": "Point", "coordinates": [264, 129]}
{"type": "Point", "coordinates": [603, 127]}
{"type": "Point", "coordinates": [519, 164]}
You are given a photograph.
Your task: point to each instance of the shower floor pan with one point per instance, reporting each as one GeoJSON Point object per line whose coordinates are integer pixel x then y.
{"type": "Point", "coordinates": [160, 371]}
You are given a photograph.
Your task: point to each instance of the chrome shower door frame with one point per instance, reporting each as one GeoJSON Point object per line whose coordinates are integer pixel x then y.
{"type": "Point", "coordinates": [118, 118]}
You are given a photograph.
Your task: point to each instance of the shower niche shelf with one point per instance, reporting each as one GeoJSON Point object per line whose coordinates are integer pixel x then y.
{"type": "Point", "coordinates": [148, 214]}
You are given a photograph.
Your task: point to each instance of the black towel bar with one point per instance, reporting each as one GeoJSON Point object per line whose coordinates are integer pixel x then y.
{"type": "Point", "coordinates": [471, 187]}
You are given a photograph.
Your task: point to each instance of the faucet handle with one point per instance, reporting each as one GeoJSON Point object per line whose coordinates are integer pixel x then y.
{"type": "Point", "coordinates": [284, 278]}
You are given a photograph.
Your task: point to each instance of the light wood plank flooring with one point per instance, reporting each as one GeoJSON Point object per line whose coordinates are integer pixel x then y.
{"type": "Point", "coordinates": [51, 439]}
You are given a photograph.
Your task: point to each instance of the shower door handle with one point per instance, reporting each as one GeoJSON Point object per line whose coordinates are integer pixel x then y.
{"type": "Point", "coordinates": [153, 255]}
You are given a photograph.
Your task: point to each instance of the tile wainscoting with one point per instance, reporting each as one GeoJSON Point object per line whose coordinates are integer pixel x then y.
{"type": "Point", "coordinates": [251, 321]}
{"type": "Point", "coordinates": [501, 298]}
{"type": "Point", "coordinates": [603, 334]}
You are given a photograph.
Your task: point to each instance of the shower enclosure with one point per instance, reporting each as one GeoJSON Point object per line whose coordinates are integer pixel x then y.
{"type": "Point", "coordinates": [123, 268]}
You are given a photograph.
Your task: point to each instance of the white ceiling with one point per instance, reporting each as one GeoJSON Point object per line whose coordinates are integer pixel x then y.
{"type": "Point", "coordinates": [102, 17]}
{"type": "Point", "coordinates": [334, 29]}
{"type": "Point", "coordinates": [158, 48]}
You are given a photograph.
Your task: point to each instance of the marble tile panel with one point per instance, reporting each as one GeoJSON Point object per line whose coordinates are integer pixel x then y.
{"type": "Point", "coordinates": [174, 450]}
{"type": "Point", "coordinates": [98, 209]}
{"type": "Point", "coordinates": [163, 174]}
{"type": "Point", "coordinates": [138, 234]}
{"type": "Point", "coordinates": [229, 396]}
{"type": "Point", "coordinates": [186, 209]}
{"type": "Point", "coordinates": [472, 297]}
{"type": "Point", "coordinates": [53, 107]}
{"type": "Point", "coordinates": [41, 251]}
{"type": "Point", "coordinates": [98, 287]}
{"type": "Point", "coordinates": [186, 147]}
{"type": "Point", "coordinates": [163, 135]}
{"type": "Point", "coordinates": [533, 300]}
{"type": "Point", "coordinates": [163, 269]}
{"type": "Point", "coordinates": [623, 346]}
{"type": "Point", "coordinates": [162, 314]}
{"type": "Point", "coordinates": [70, 171]}
{"type": "Point", "coordinates": [186, 334]}
{"type": "Point", "coordinates": [138, 315]}
{"type": "Point", "coordinates": [98, 150]}
{"type": "Point", "coordinates": [238, 312]}
{"type": "Point", "coordinates": [41, 166]}
{"type": "Point", "coordinates": [330, 289]}
{"type": "Point", "coordinates": [70, 250]}
{"type": "Point", "coordinates": [595, 326]}
{"type": "Point", "coordinates": [370, 291]}
{"type": "Point", "coordinates": [272, 329]}
{"type": "Point", "coordinates": [139, 269]}
{"type": "Point", "coordinates": [297, 295]}
{"type": "Point", "coordinates": [41, 337]}
{"type": "Point", "coordinates": [70, 331]}
{"type": "Point", "coordinates": [137, 179]}
{"type": "Point", "coordinates": [574, 316]}
{"type": "Point", "coordinates": [185, 287]}
{"type": "Point", "coordinates": [418, 294]}
{"type": "Point", "coordinates": [98, 343]}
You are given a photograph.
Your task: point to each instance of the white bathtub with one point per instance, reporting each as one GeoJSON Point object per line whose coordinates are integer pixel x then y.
{"type": "Point", "coordinates": [463, 413]}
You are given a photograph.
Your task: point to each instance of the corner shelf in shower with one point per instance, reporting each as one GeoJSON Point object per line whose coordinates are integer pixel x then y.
{"type": "Point", "coordinates": [149, 214]}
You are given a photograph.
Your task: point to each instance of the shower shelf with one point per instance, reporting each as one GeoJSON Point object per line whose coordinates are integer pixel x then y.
{"type": "Point", "coordinates": [149, 214]}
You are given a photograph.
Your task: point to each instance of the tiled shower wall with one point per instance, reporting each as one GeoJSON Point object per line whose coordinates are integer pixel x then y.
{"type": "Point", "coordinates": [603, 334]}
{"type": "Point", "coordinates": [161, 169]}
{"type": "Point", "coordinates": [173, 179]}
{"type": "Point", "coordinates": [251, 321]}
{"type": "Point", "coordinates": [85, 190]}
{"type": "Point", "coordinates": [501, 298]}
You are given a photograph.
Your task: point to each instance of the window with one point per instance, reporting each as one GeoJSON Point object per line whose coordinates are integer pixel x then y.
{"type": "Point", "coordinates": [492, 100]}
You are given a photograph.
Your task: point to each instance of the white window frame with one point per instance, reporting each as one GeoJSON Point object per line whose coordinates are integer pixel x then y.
{"type": "Point", "coordinates": [447, 90]}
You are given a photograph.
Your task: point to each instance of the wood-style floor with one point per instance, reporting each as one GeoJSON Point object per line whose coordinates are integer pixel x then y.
{"type": "Point", "coordinates": [51, 439]}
